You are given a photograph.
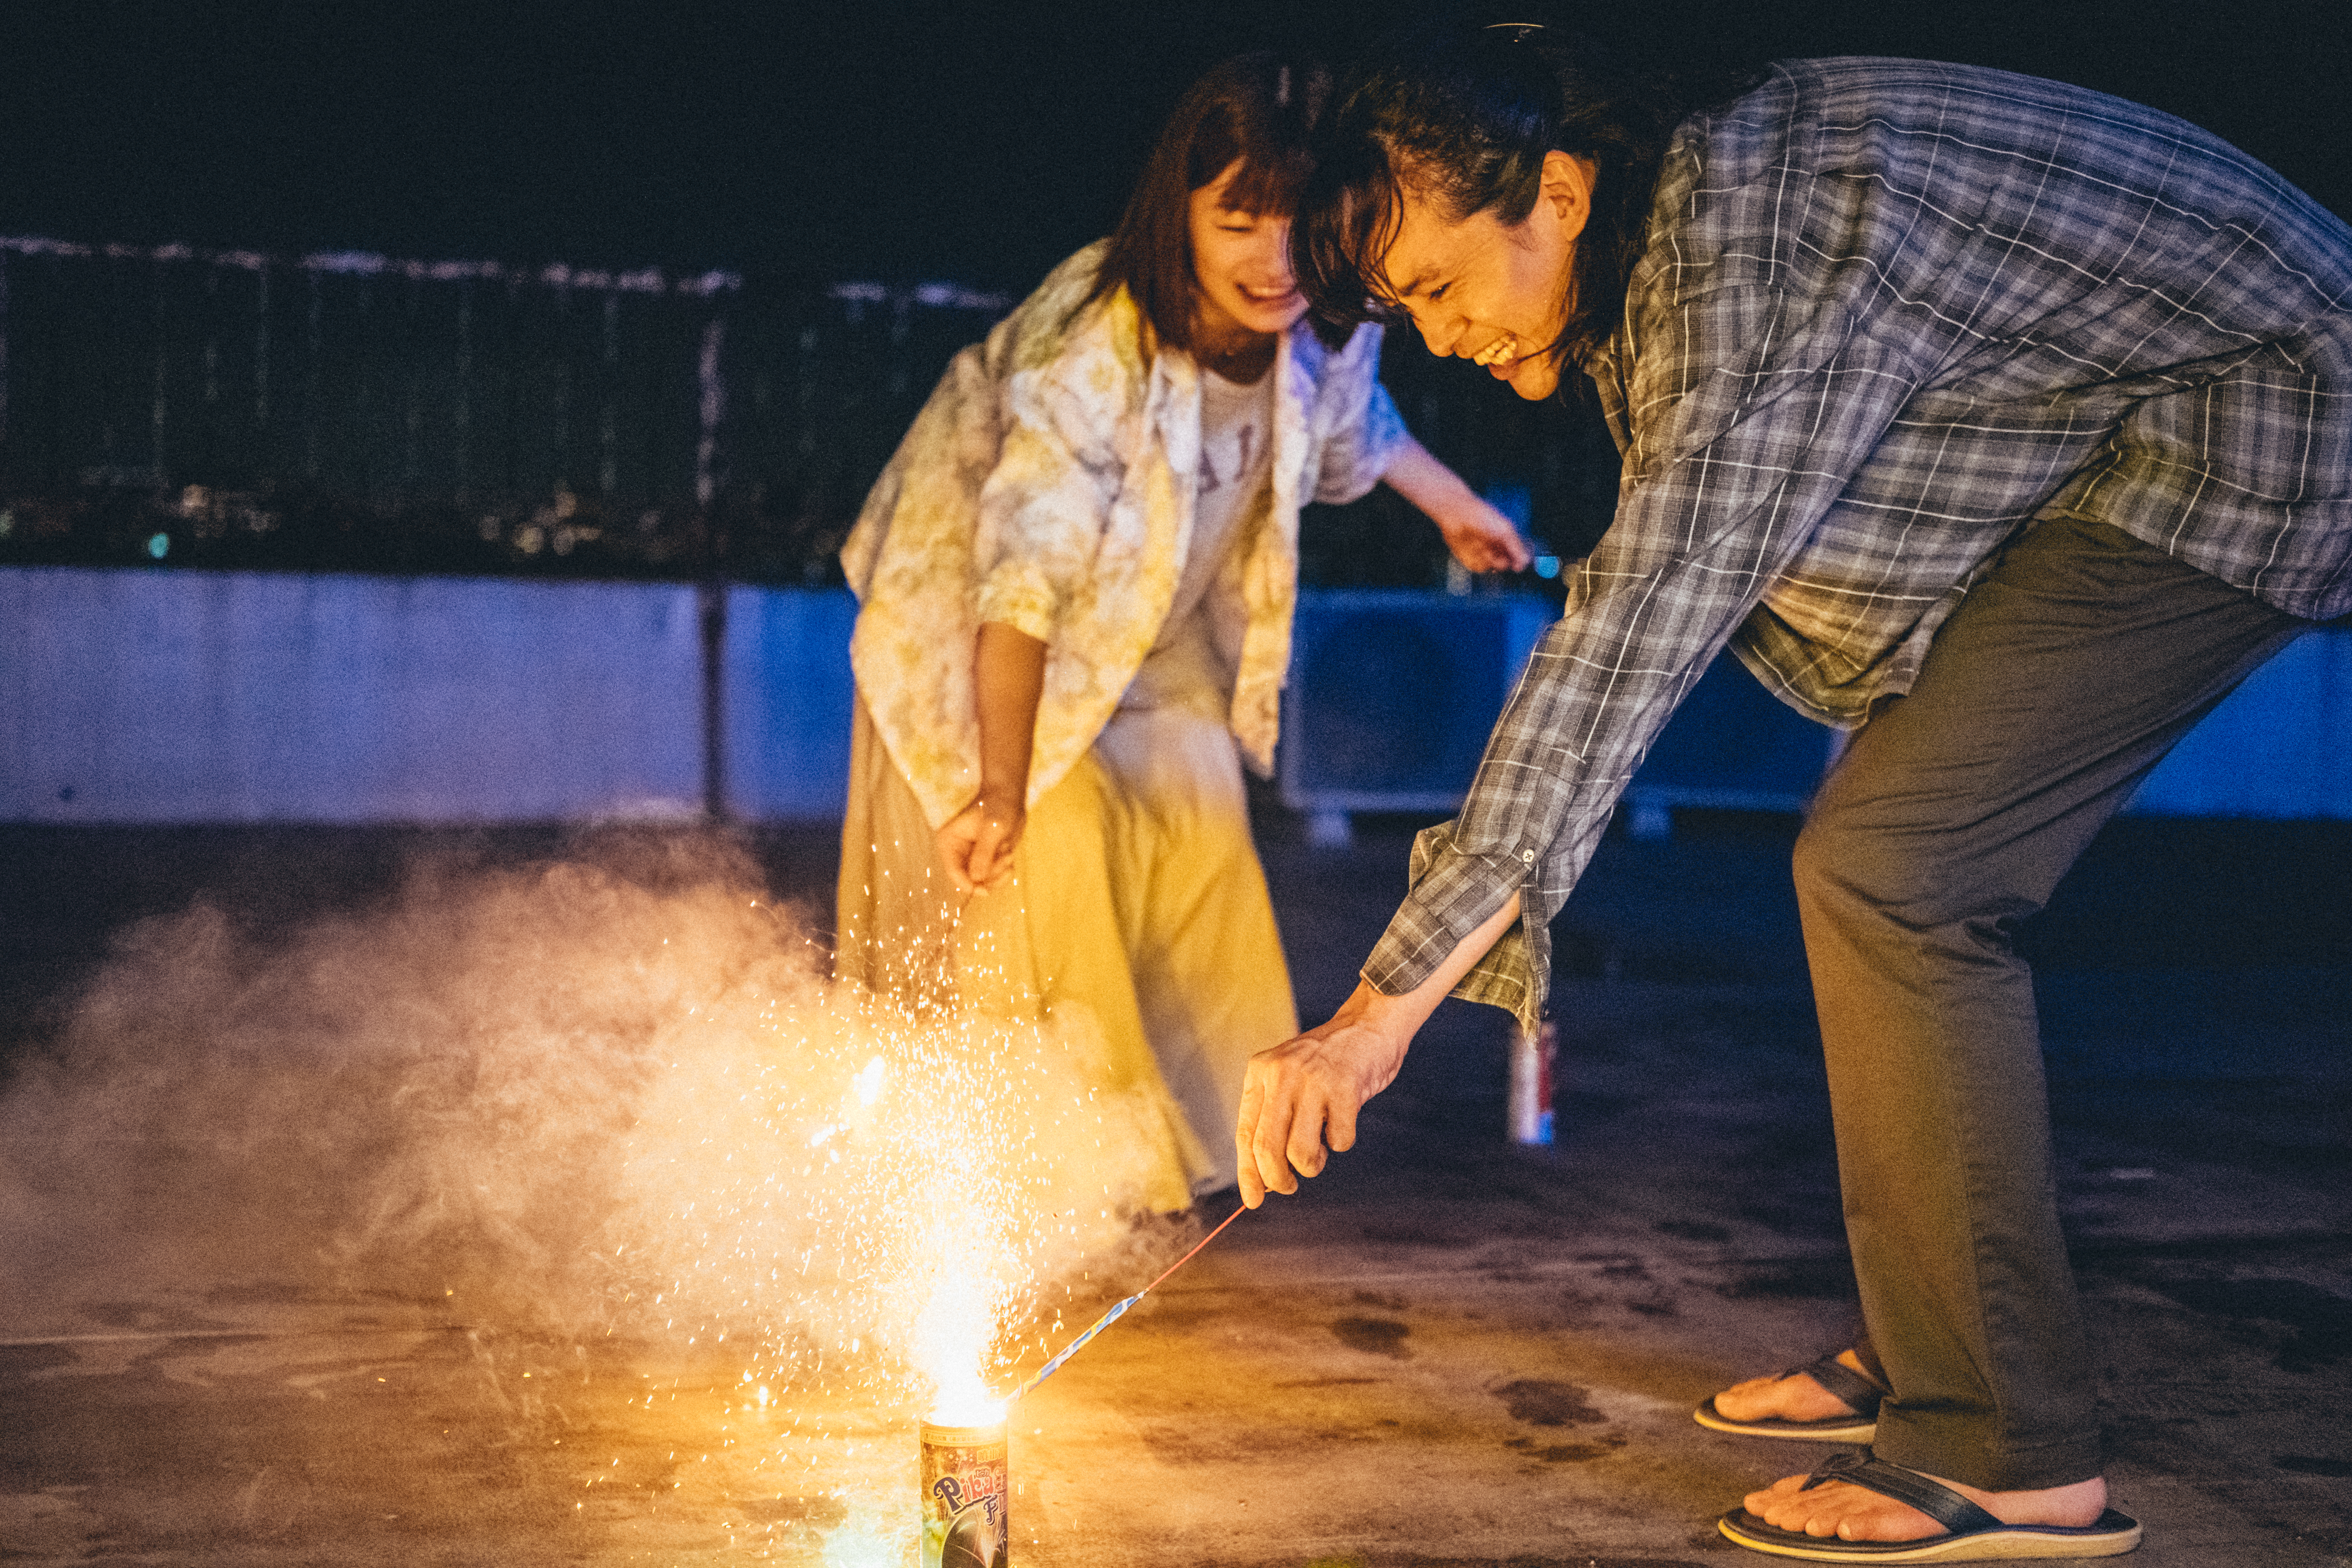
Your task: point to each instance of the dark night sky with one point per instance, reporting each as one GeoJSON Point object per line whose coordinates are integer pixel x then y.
{"type": "Point", "coordinates": [972, 141]}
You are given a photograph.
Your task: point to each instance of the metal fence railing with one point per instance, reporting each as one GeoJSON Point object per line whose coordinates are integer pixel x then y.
{"type": "Point", "coordinates": [350, 411]}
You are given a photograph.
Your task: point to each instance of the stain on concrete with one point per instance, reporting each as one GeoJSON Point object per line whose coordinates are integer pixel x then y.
{"type": "Point", "coordinates": [2312, 1464]}
{"type": "Point", "coordinates": [1694, 1230]}
{"type": "Point", "coordinates": [1822, 1221]}
{"type": "Point", "coordinates": [1541, 1403]}
{"type": "Point", "coordinates": [1794, 1280]}
{"type": "Point", "coordinates": [2317, 1324]}
{"type": "Point", "coordinates": [22, 1364]}
{"type": "Point", "coordinates": [1375, 1336]}
{"type": "Point", "coordinates": [145, 1317]}
{"type": "Point", "coordinates": [1600, 1447]}
{"type": "Point", "coordinates": [1374, 1298]}
{"type": "Point", "coordinates": [1331, 1381]}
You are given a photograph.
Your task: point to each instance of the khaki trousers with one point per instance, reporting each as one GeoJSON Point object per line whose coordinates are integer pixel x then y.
{"type": "Point", "coordinates": [2054, 690]}
{"type": "Point", "coordinates": [1137, 913]}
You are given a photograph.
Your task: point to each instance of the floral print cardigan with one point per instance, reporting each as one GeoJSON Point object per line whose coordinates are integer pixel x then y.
{"type": "Point", "coordinates": [1048, 484]}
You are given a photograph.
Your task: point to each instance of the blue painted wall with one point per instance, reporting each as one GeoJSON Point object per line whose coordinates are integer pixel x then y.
{"type": "Point", "coordinates": [789, 701]}
{"type": "Point", "coordinates": [178, 696]}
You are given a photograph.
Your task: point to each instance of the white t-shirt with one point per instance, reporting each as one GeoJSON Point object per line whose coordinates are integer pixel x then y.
{"type": "Point", "coordinates": [1230, 490]}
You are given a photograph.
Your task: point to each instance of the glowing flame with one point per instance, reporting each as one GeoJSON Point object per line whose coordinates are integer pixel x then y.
{"type": "Point", "coordinates": [952, 1339]}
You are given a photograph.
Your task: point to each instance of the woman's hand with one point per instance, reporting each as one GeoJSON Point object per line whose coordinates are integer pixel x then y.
{"type": "Point", "coordinates": [1481, 538]}
{"type": "Point", "coordinates": [978, 842]}
{"type": "Point", "coordinates": [1009, 676]}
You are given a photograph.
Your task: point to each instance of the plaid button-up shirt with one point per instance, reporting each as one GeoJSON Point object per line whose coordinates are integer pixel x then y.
{"type": "Point", "coordinates": [1890, 313]}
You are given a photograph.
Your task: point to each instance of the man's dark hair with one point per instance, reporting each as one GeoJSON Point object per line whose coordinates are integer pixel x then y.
{"type": "Point", "coordinates": [1463, 115]}
{"type": "Point", "coordinates": [1259, 108]}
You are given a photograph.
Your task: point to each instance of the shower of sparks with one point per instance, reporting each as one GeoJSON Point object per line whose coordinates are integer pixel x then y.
{"type": "Point", "coordinates": [868, 1212]}
{"type": "Point", "coordinates": [868, 1198]}
{"type": "Point", "coordinates": [871, 1537]}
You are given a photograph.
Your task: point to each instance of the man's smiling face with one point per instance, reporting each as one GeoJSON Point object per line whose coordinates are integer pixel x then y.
{"type": "Point", "coordinates": [1494, 293]}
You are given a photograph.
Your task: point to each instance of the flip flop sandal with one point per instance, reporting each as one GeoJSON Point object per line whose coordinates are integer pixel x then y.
{"type": "Point", "coordinates": [1972, 1535]}
{"type": "Point", "coordinates": [1859, 1393]}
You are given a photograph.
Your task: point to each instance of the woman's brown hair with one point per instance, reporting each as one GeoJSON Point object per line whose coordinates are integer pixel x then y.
{"type": "Point", "coordinates": [1258, 108]}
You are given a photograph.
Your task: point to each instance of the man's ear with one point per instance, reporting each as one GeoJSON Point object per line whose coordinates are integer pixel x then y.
{"type": "Point", "coordinates": [1567, 192]}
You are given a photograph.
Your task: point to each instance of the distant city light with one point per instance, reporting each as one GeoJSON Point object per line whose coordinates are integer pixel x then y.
{"type": "Point", "coordinates": [159, 545]}
{"type": "Point", "coordinates": [1546, 565]}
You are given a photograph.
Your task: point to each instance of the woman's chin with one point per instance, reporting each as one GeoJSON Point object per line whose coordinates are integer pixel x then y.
{"type": "Point", "coordinates": [1273, 315]}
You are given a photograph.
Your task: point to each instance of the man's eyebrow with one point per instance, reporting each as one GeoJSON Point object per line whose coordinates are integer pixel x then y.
{"type": "Point", "coordinates": [1419, 281]}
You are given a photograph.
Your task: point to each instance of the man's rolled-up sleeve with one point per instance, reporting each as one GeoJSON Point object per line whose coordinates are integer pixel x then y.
{"type": "Point", "coordinates": [1698, 537]}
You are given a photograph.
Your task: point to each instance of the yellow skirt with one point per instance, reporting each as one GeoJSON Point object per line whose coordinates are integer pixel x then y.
{"type": "Point", "coordinates": [1136, 897]}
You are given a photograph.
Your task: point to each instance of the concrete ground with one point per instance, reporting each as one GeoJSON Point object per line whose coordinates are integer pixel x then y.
{"type": "Point", "coordinates": [1445, 1351]}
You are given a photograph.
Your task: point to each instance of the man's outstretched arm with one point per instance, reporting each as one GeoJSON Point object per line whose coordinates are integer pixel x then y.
{"type": "Point", "coordinates": [1300, 1098]}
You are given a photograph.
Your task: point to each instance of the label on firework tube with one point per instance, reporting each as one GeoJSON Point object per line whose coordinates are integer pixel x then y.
{"type": "Point", "coordinates": [966, 1488]}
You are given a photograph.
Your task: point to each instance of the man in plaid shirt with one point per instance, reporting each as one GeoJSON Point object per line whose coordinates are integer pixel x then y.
{"type": "Point", "coordinates": [2008, 426]}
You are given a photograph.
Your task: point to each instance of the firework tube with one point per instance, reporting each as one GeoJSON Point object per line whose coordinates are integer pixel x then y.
{"type": "Point", "coordinates": [966, 1493]}
{"type": "Point", "coordinates": [1120, 1310]}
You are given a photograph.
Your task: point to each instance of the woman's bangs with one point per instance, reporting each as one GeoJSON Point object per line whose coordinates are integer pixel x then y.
{"type": "Point", "coordinates": [1268, 185]}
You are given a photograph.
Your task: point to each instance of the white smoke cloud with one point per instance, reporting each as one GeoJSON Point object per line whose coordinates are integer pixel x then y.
{"type": "Point", "coordinates": [612, 1092]}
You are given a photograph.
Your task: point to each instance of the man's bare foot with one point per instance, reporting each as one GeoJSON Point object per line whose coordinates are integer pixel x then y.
{"type": "Point", "coordinates": [1793, 1396]}
{"type": "Point", "coordinates": [1854, 1513]}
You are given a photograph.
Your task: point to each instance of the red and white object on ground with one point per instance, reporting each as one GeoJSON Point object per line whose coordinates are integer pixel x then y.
{"type": "Point", "coordinates": [1531, 1059]}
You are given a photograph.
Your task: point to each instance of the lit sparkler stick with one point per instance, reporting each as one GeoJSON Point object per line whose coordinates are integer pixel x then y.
{"type": "Point", "coordinates": [1108, 1319]}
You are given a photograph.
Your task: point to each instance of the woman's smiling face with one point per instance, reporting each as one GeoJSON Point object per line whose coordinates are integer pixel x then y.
{"type": "Point", "coordinates": [1493, 293]}
{"type": "Point", "coordinates": [1242, 263]}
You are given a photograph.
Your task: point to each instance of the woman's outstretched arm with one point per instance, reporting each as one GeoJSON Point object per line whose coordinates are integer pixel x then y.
{"type": "Point", "coordinates": [1481, 538]}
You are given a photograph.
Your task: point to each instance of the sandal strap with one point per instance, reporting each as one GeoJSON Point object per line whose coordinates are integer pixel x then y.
{"type": "Point", "coordinates": [1861, 1395]}
{"type": "Point", "coordinates": [1932, 1498]}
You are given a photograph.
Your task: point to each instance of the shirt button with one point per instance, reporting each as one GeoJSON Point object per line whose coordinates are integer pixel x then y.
{"type": "Point", "coordinates": [1529, 855]}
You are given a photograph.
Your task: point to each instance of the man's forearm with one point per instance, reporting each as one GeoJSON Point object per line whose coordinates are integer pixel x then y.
{"type": "Point", "coordinates": [1406, 1012]}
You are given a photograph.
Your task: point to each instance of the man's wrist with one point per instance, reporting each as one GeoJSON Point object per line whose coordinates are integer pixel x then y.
{"type": "Point", "coordinates": [1399, 1016]}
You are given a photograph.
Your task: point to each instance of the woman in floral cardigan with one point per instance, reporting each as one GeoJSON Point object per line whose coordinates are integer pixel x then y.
{"type": "Point", "coordinates": [1076, 579]}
